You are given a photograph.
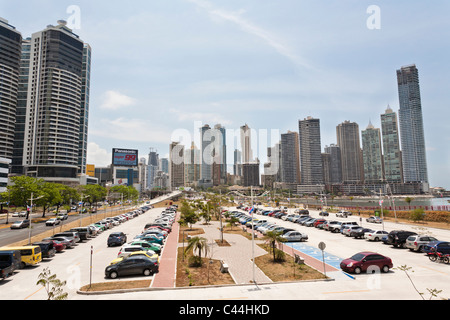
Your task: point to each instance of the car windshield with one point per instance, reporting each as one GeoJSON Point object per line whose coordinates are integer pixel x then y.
{"type": "Point", "coordinates": [357, 257]}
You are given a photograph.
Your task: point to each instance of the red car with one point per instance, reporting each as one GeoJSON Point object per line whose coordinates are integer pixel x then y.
{"type": "Point", "coordinates": [59, 246]}
{"type": "Point", "coordinates": [368, 262]}
{"type": "Point", "coordinates": [318, 221]}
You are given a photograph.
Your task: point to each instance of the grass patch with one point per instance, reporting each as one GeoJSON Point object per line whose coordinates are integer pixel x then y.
{"type": "Point", "coordinates": [186, 231]}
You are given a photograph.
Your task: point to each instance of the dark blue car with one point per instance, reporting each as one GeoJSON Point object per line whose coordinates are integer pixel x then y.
{"type": "Point", "coordinates": [439, 246]}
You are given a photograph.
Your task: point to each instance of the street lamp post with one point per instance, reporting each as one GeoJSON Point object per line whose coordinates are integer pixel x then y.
{"type": "Point", "coordinates": [29, 215]}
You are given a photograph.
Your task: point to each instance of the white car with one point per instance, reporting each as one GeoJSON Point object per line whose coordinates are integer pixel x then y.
{"type": "Point", "coordinates": [20, 214]}
{"type": "Point", "coordinates": [292, 236]}
{"type": "Point", "coordinates": [52, 222]}
{"type": "Point", "coordinates": [376, 235]}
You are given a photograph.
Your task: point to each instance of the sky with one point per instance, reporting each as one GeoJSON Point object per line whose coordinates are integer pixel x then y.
{"type": "Point", "coordinates": [162, 67]}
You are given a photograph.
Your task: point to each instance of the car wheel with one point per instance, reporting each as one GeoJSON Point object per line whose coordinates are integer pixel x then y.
{"type": "Point", "coordinates": [376, 239]}
{"type": "Point", "coordinates": [385, 269]}
{"type": "Point", "coordinates": [357, 270]}
{"type": "Point", "coordinates": [147, 272]}
{"type": "Point", "coordinates": [113, 275]}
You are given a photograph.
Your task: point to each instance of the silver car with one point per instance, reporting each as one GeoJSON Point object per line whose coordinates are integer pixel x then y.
{"type": "Point", "coordinates": [416, 242]}
{"type": "Point", "coordinates": [292, 236]}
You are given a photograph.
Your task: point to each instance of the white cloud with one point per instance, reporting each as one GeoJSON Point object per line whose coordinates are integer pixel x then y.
{"type": "Point", "coordinates": [134, 130]}
{"type": "Point", "coordinates": [98, 156]}
{"type": "Point", "coordinates": [113, 100]}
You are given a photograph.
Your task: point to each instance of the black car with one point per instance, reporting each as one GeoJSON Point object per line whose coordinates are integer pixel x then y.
{"type": "Point", "coordinates": [359, 233]}
{"type": "Point", "coordinates": [134, 265]}
{"type": "Point", "coordinates": [47, 249]}
{"type": "Point", "coordinates": [398, 237]}
{"type": "Point", "coordinates": [117, 239]}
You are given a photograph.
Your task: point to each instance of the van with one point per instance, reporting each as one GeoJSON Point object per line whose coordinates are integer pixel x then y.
{"type": "Point", "coordinates": [9, 262]}
{"type": "Point", "coordinates": [30, 255]}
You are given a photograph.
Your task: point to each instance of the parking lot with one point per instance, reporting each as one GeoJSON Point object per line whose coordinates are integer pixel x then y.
{"type": "Point", "coordinates": [74, 265]}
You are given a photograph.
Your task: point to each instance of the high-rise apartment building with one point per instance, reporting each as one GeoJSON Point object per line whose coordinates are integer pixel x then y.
{"type": "Point", "coordinates": [246, 144]}
{"type": "Point", "coordinates": [392, 155]}
{"type": "Point", "coordinates": [335, 166]}
{"type": "Point", "coordinates": [191, 165]}
{"type": "Point", "coordinates": [310, 151]}
{"type": "Point", "coordinates": [372, 155]}
{"type": "Point", "coordinates": [176, 165]}
{"type": "Point", "coordinates": [348, 140]}
{"type": "Point", "coordinates": [57, 105]}
{"type": "Point", "coordinates": [10, 52]}
{"type": "Point", "coordinates": [411, 125]}
{"type": "Point", "coordinates": [290, 158]}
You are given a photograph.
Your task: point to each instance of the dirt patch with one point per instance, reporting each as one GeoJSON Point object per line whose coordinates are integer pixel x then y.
{"type": "Point", "coordinates": [189, 232]}
{"type": "Point", "coordinates": [222, 243]}
{"type": "Point", "coordinates": [116, 285]}
{"type": "Point", "coordinates": [206, 275]}
{"type": "Point", "coordinates": [286, 270]}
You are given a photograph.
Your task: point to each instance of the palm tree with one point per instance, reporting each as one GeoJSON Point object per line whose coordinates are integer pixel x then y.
{"type": "Point", "coordinates": [273, 238]}
{"type": "Point", "coordinates": [408, 200]}
{"type": "Point", "coordinates": [198, 243]}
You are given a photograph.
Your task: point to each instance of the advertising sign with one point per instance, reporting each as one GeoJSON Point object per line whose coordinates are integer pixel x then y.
{"type": "Point", "coordinates": [125, 157]}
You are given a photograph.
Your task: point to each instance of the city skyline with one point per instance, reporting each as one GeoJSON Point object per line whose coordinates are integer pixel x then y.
{"type": "Point", "coordinates": [246, 65]}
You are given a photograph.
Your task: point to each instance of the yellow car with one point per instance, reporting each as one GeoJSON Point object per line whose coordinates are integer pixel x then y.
{"type": "Point", "coordinates": [155, 256]}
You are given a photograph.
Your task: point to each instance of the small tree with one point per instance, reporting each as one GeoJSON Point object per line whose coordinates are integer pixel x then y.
{"type": "Point", "coordinates": [52, 285]}
{"type": "Point", "coordinates": [417, 215]}
{"type": "Point", "coordinates": [273, 238]}
{"type": "Point", "coordinates": [201, 245]}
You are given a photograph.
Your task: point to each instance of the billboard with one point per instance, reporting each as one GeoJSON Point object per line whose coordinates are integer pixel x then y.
{"type": "Point", "coordinates": [124, 157]}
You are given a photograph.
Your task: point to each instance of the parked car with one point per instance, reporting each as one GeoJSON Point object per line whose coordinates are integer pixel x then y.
{"type": "Point", "coordinates": [10, 261]}
{"type": "Point", "coordinates": [68, 241]}
{"type": "Point", "coordinates": [335, 227]}
{"type": "Point", "coordinates": [374, 219]}
{"type": "Point", "coordinates": [69, 234]}
{"type": "Point", "coordinates": [397, 238]}
{"type": "Point", "coordinates": [52, 222]}
{"type": "Point", "coordinates": [360, 232]}
{"type": "Point", "coordinates": [116, 238]}
{"type": "Point", "coordinates": [83, 232]}
{"type": "Point", "coordinates": [129, 248]}
{"type": "Point", "coordinates": [132, 266]}
{"type": "Point", "coordinates": [437, 246]}
{"type": "Point", "coordinates": [375, 235]}
{"type": "Point", "coordinates": [343, 214]}
{"type": "Point", "coordinates": [324, 214]}
{"type": "Point", "coordinates": [58, 245]}
{"type": "Point", "coordinates": [349, 229]}
{"type": "Point", "coordinates": [47, 249]}
{"type": "Point", "coordinates": [293, 236]}
{"type": "Point", "coordinates": [137, 253]}
{"type": "Point", "coordinates": [20, 224]}
{"type": "Point", "coordinates": [417, 242]}
{"type": "Point", "coordinates": [366, 262]}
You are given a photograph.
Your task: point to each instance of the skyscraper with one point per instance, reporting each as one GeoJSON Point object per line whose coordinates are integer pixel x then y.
{"type": "Point", "coordinates": [290, 158]}
{"type": "Point", "coordinates": [348, 140]}
{"type": "Point", "coordinates": [10, 51]}
{"type": "Point", "coordinates": [372, 155]}
{"type": "Point", "coordinates": [246, 139]}
{"type": "Point", "coordinates": [310, 151]}
{"type": "Point", "coordinates": [391, 147]}
{"type": "Point", "coordinates": [176, 165]}
{"type": "Point", "coordinates": [335, 167]}
{"type": "Point", "coordinates": [411, 125]}
{"type": "Point", "coordinates": [57, 102]}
